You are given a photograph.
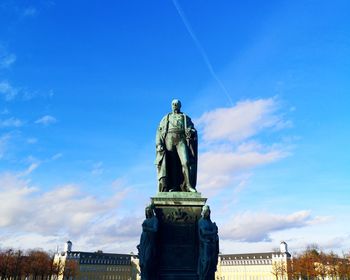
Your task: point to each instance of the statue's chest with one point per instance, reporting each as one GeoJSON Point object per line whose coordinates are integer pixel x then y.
{"type": "Point", "coordinates": [176, 121]}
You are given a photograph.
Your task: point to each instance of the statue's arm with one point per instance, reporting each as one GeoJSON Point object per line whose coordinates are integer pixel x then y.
{"type": "Point", "coordinates": [208, 231]}
{"type": "Point", "coordinates": [191, 131]}
{"type": "Point", "coordinates": [160, 134]}
{"type": "Point", "coordinates": [152, 226]}
{"type": "Point", "coordinates": [155, 225]}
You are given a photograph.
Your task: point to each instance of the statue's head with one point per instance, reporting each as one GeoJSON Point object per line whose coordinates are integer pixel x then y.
{"type": "Point", "coordinates": [176, 105]}
{"type": "Point", "coordinates": [206, 212]}
{"type": "Point", "coordinates": [149, 212]}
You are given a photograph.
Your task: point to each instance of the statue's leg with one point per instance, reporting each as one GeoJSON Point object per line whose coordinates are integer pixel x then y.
{"type": "Point", "coordinates": [183, 155]}
{"type": "Point", "coordinates": [171, 159]}
{"type": "Point", "coordinates": [162, 185]}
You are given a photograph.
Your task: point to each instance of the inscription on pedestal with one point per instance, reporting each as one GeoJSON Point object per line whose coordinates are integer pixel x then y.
{"type": "Point", "coordinates": [178, 236]}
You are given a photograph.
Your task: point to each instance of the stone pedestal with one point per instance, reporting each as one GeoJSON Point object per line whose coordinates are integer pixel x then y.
{"type": "Point", "coordinates": [177, 245]}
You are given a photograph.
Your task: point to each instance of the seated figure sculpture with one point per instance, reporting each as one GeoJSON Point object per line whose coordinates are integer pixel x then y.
{"type": "Point", "coordinates": [176, 152]}
{"type": "Point", "coordinates": [208, 246]}
{"type": "Point", "coordinates": [147, 247]}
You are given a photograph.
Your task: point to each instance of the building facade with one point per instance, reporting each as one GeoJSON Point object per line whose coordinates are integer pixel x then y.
{"type": "Point", "coordinates": [255, 266]}
{"type": "Point", "coordinates": [97, 265]}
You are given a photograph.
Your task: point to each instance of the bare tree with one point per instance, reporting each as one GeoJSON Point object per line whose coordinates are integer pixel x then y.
{"type": "Point", "coordinates": [279, 269]}
{"type": "Point", "coordinates": [40, 264]}
{"type": "Point", "coordinates": [70, 270]}
{"type": "Point", "coordinates": [344, 269]}
{"type": "Point", "coordinates": [322, 265]}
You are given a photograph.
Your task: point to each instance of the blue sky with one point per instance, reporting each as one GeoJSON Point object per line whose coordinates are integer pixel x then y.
{"type": "Point", "coordinates": [84, 84]}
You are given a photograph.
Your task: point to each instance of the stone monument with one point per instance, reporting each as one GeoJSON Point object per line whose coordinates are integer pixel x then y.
{"type": "Point", "coordinates": [185, 242]}
{"type": "Point", "coordinates": [208, 246]}
{"type": "Point", "coordinates": [148, 247]}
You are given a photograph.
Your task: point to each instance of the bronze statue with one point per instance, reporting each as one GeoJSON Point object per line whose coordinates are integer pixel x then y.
{"type": "Point", "coordinates": [208, 246]}
{"type": "Point", "coordinates": [176, 152]}
{"type": "Point", "coordinates": [147, 247]}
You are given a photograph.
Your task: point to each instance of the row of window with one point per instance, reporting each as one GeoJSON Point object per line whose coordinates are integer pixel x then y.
{"type": "Point", "coordinates": [246, 257]}
{"type": "Point", "coordinates": [250, 262]}
{"type": "Point", "coordinates": [107, 277]}
{"type": "Point", "coordinates": [108, 268]}
{"type": "Point", "coordinates": [244, 269]}
{"type": "Point", "coordinates": [97, 261]}
{"type": "Point", "coordinates": [114, 268]}
{"type": "Point", "coordinates": [248, 277]}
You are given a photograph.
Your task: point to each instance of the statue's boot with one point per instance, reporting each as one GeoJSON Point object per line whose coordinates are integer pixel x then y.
{"type": "Point", "coordinates": [163, 185]}
{"type": "Point", "coordinates": [190, 189]}
{"type": "Point", "coordinates": [187, 181]}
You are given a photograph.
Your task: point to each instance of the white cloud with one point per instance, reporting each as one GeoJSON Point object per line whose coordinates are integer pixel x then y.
{"type": "Point", "coordinates": [228, 151]}
{"type": "Point", "coordinates": [337, 242]}
{"type": "Point", "coordinates": [257, 227]}
{"type": "Point", "coordinates": [46, 120]}
{"type": "Point", "coordinates": [8, 91]}
{"type": "Point", "coordinates": [63, 211]}
{"type": "Point", "coordinates": [30, 241]}
{"type": "Point", "coordinates": [218, 167]}
{"type": "Point", "coordinates": [224, 162]}
{"type": "Point", "coordinates": [240, 122]}
{"type": "Point", "coordinates": [30, 169]}
{"type": "Point", "coordinates": [13, 192]}
{"type": "Point", "coordinates": [11, 122]}
{"type": "Point", "coordinates": [28, 95]}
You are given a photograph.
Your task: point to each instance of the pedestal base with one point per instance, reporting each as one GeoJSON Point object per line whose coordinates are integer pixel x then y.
{"type": "Point", "coordinates": [178, 214]}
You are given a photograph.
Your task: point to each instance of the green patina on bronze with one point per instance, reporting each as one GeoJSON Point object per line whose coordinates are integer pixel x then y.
{"type": "Point", "coordinates": [180, 242]}
{"type": "Point", "coordinates": [176, 152]}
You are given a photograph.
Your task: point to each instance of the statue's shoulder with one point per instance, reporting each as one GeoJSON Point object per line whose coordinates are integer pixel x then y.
{"type": "Point", "coordinates": [166, 117]}
{"type": "Point", "coordinates": [188, 119]}
{"type": "Point", "coordinates": [164, 120]}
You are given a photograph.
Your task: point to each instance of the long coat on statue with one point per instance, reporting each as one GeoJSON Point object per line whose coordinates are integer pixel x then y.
{"type": "Point", "coordinates": [169, 136]}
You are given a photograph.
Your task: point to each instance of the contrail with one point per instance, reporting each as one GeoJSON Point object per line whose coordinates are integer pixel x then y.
{"type": "Point", "coordinates": [201, 50]}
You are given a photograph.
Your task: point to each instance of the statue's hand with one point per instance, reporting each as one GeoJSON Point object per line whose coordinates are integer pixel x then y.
{"type": "Point", "coordinates": [188, 132]}
{"type": "Point", "coordinates": [160, 148]}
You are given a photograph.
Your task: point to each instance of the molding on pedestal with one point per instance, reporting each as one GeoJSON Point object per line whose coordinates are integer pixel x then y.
{"type": "Point", "coordinates": [178, 199]}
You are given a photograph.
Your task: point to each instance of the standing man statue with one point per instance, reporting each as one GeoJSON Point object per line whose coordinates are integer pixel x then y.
{"type": "Point", "coordinates": [147, 247]}
{"type": "Point", "coordinates": [208, 246]}
{"type": "Point", "coordinates": [176, 152]}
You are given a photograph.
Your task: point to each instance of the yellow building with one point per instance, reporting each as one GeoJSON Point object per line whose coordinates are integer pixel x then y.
{"type": "Point", "coordinates": [94, 266]}
{"type": "Point", "coordinates": [255, 266]}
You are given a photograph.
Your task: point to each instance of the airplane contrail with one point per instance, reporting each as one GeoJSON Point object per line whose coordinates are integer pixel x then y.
{"type": "Point", "coordinates": [201, 50]}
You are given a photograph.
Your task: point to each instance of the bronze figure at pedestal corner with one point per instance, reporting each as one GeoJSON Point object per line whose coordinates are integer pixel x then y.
{"type": "Point", "coordinates": [148, 247]}
{"type": "Point", "coordinates": [176, 152]}
{"type": "Point", "coordinates": [208, 246]}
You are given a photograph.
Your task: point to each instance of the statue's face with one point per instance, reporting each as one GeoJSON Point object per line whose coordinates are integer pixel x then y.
{"type": "Point", "coordinates": [148, 212]}
{"type": "Point", "coordinates": [176, 105]}
{"type": "Point", "coordinates": [205, 212]}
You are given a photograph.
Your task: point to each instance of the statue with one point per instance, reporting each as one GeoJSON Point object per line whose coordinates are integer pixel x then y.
{"type": "Point", "coordinates": [208, 246]}
{"type": "Point", "coordinates": [147, 247]}
{"type": "Point", "coordinates": [176, 152]}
